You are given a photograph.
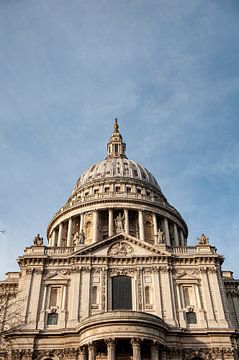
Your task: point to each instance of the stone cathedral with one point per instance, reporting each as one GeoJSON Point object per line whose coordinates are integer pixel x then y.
{"type": "Point", "coordinates": [117, 280]}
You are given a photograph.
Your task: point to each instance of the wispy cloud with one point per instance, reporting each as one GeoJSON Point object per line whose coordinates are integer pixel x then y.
{"type": "Point", "coordinates": [168, 70]}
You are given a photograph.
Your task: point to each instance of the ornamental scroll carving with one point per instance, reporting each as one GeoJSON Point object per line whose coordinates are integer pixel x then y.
{"type": "Point", "coordinates": [121, 249]}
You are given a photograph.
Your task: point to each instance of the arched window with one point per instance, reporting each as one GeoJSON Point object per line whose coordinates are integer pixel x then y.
{"type": "Point", "coordinates": [94, 294]}
{"type": "Point", "coordinates": [121, 293]}
{"type": "Point", "coordinates": [52, 319]}
{"type": "Point", "coordinates": [147, 295]}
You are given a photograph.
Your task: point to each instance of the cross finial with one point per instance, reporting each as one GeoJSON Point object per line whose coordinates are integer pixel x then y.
{"type": "Point", "coordinates": [116, 126]}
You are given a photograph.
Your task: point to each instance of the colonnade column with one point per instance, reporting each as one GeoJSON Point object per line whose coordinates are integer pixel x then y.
{"type": "Point", "coordinates": [175, 232]}
{"type": "Point", "coordinates": [141, 225]}
{"type": "Point", "coordinates": [126, 221]}
{"type": "Point", "coordinates": [136, 349]}
{"type": "Point", "coordinates": [69, 233]}
{"type": "Point", "coordinates": [81, 222]}
{"type": "Point", "coordinates": [166, 232]}
{"type": "Point", "coordinates": [155, 228]}
{"type": "Point", "coordinates": [53, 238]}
{"type": "Point", "coordinates": [111, 224]}
{"type": "Point", "coordinates": [181, 237]}
{"type": "Point", "coordinates": [91, 351]}
{"type": "Point", "coordinates": [110, 349]}
{"type": "Point", "coordinates": [60, 235]}
{"type": "Point", "coordinates": [155, 351]}
{"type": "Point", "coordinates": [82, 353]}
{"type": "Point", "coordinates": [95, 226]}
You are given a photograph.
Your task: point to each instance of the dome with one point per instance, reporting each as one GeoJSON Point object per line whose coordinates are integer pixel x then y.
{"type": "Point", "coordinates": [117, 165]}
{"type": "Point", "coordinates": [117, 168]}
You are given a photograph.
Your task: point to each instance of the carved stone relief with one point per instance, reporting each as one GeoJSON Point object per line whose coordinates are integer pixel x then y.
{"type": "Point", "coordinates": [120, 249]}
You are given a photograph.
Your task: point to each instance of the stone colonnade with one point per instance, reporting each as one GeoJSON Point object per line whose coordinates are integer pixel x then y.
{"type": "Point", "coordinates": [89, 351]}
{"type": "Point", "coordinates": [56, 238]}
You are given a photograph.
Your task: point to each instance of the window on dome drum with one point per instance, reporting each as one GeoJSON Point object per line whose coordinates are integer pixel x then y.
{"type": "Point", "coordinates": [121, 293]}
{"type": "Point", "coordinates": [191, 317]}
{"type": "Point", "coordinates": [117, 189]}
{"type": "Point", "coordinates": [128, 189]}
{"type": "Point", "coordinates": [52, 319]}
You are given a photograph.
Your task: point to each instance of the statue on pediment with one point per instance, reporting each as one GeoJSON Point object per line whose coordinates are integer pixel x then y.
{"type": "Point", "coordinates": [203, 240]}
{"type": "Point", "coordinates": [160, 236]}
{"type": "Point", "coordinates": [79, 238]}
{"type": "Point", "coordinates": [119, 223]}
{"type": "Point", "coordinates": [38, 241]}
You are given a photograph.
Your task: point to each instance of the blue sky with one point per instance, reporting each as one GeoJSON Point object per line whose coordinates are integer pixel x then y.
{"type": "Point", "coordinates": [169, 70]}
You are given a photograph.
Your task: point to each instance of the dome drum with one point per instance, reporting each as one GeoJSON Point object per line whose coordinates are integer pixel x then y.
{"type": "Point", "coordinates": [96, 224]}
{"type": "Point", "coordinates": [112, 187]}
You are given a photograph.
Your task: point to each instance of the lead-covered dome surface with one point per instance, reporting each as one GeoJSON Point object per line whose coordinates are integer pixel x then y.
{"type": "Point", "coordinates": [116, 167]}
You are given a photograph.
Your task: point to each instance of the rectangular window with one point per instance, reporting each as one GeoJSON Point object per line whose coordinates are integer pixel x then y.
{"type": "Point", "coordinates": [121, 293]}
{"type": "Point", "coordinates": [53, 296]}
{"type": "Point", "coordinates": [186, 296]}
{"type": "Point", "coordinates": [191, 318]}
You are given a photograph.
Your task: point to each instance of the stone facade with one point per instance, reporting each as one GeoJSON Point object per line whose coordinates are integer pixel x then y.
{"type": "Point", "coordinates": [117, 280]}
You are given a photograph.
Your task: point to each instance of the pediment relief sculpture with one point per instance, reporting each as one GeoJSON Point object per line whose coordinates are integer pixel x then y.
{"type": "Point", "coordinates": [121, 249]}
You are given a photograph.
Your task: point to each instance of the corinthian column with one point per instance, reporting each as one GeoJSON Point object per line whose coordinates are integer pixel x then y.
{"type": "Point", "coordinates": [155, 228]}
{"type": "Point", "coordinates": [81, 222]}
{"type": "Point", "coordinates": [141, 225]}
{"type": "Point", "coordinates": [136, 349]}
{"type": "Point", "coordinates": [155, 351]}
{"type": "Point", "coordinates": [126, 221]}
{"type": "Point", "coordinates": [69, 233]}
{"type": "Point", "coordinates": [53, 238]}
{"type": "Point", "coordinates": [111, 224]}
{"type": "Point", "coordinates": [95, 226]}
{"type": "Point", "coordinates": [60, 235]}
{"type": "Point", "coordinates": [175, 231]}
{"type": "Point", "coordinates": [82, 353]}
{"type": "Point", "coordinates": [166, 231]}
{"type": "Point", "coordinates": [91, 351]}
{"type": "Point", "coordinates": [110, 349]}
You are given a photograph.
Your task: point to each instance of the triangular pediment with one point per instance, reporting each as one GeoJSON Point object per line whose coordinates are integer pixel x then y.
{"type": "Point", "coordinates": [184, 276]}
{"type": "Point", "coordinates": [122, 245]}
{"type": "Point", "coordinates": [56, 277]}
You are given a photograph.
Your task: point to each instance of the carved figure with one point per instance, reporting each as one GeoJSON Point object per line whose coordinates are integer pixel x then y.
{"type": "Point", "coordinates": [79, 238]}
{"type": "Point", "coordinates": [82, 237]}
{"type": "Point", "coordinates": [76, 238]}
{"type": "Point", "coordinates": [119, 223]}
{"type": "Point", "coordinates": [160, 236]}
{"type": "Point", "coordinates": [120, 249]}
{"type": "Point", "coordinates": [203, 240]}
{"type": "Point", "coordinates": [38, 241]}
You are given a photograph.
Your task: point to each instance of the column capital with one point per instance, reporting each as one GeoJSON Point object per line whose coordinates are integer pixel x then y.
{"type": "Point", "coordinates": [136, 342]}
{"type": "Point", "coordinates": [110, 341]}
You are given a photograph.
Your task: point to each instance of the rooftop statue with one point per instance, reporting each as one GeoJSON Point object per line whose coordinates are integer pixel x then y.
{"type": "Point", "coordinates": [203, 240]}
